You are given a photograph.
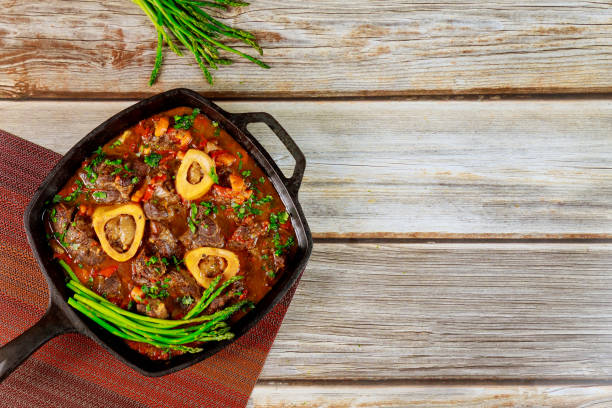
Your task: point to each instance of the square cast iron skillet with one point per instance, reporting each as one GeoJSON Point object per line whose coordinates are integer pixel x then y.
{"type": "Point", "coordinates": [61, 318]}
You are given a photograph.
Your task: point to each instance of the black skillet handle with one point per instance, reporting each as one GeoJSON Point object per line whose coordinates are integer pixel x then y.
{"type": "Point", "coordinates": [16, 351]}
{"type": "Point", "coordinates": [243, 119]}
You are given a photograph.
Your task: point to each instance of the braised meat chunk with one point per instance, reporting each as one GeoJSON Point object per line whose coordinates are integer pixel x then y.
{"type": "Point", "coordinates": [112, 180]}
{"type": "Point", "coordinates": [80, 242]}
{"type": "Point", "coordinates": [164, 202]}
{"type": "Point", "coordinates": [147, 269]}
{"type": "Point", "coordinates": [162, 241]}
{"type": "Point", "coordinates": [203, 229]}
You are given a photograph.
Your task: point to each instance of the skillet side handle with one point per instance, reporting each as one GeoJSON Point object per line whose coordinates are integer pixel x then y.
{"type": "Point", "coordinates": [16, 351]}
{"type": "Point", "coordinates": [243, 119]}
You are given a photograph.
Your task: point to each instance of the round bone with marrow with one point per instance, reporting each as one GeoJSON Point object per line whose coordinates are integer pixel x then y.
{"type": "Point", "coordinates": [120, 229]}
{"type": "Point", "coordinates": [195, 257]}
{"type": "Point", "coordinates": [195, 175]}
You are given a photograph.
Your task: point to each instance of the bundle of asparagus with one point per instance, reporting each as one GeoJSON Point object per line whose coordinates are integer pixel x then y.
{"type": "Point", "coordinates": [162, 333]}
{"type": "Point", "coordinates": [187, 22]}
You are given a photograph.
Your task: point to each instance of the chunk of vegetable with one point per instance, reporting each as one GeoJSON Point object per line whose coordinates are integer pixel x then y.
{"type": "Point", "coordinates": [194, 191]}
{"type": "Point", "coordinates": [193, 258]}
{"type": "Point", "coordinates": [102, 215]}
{"type": "Point", "coordinates": [161, 126]}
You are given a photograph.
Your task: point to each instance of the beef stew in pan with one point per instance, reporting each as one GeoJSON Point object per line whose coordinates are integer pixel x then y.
{"type": "Point", "coordinates": [168, 233]}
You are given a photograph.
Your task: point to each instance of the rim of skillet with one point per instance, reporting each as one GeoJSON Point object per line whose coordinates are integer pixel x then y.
{"type": "Point", "coordinates": [72, 160]}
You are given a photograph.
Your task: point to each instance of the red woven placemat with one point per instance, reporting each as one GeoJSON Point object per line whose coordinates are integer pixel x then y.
{"type": "Point", "coordinates": [72, 370]}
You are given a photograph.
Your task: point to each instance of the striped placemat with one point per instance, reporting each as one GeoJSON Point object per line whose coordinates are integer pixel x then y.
{"type": "Point", "coordinates": [72, 370]}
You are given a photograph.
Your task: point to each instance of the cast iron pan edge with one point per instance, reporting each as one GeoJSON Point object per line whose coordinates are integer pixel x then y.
{"type": "Point", "coordinates": [61, 318]}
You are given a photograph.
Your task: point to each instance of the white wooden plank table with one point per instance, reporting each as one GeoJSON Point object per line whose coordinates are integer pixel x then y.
{"type": "Point", "coordinates": [463, 244]}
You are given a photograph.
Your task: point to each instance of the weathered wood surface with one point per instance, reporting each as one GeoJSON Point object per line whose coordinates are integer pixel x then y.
{"type": "Point", "coordinates": [449, 311]}
{"type": "Point", "coordinates": [432, 395]}
{"type": "Point", "coordinates": [60, 48]}
{"type": "Point", "coordinates": [500, 168]}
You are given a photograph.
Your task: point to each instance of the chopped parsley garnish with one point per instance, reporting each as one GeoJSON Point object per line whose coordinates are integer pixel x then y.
{"type": "Point", "coordinates": [265, 200]}
{"type": "Point", "coordinates": [191, 221]}
{"type": "Point", "coordinates": [209, 207]}
{"type": "Point", "coordinates": [165, 262]}
{"type": "Point", "coordinates": [213, 175]}
{"type": "Point", "coordinates": [100, 195]}
{"type": "Point", "coordinates": [116, 143]}
{"type": "Point", "coordinates": [240, 165]}
{"type": "Point", "coordinates": [154, 291]}
{"type": "Point", "coordinates": [116, 162]}
{"type": "Point", "coordinates": [53, 217]}
{"type": "Point", "coordinates": [130, 305]}
{"type": "Point", "coordinates": [270, 274]}
{"type": "Point", "coordinates": [72, 196]}
{"type": "Point", "coordinates": [134, 180]}
{"type": "Point", "coordinates": [264, 257]}
{"type": "Point", "coordinates": [249, 206]}
{"type": "Point", "coordinates": [185, 121]}
{"type": "Point", "coordinates": [239, 154]}
{"type": "Point", "coordinates": [152, 260]}
{"type": "Point", "coordinates": [126, 168]}
{"type": "Point", "coordinates": [116, 171]}
{"type": "Point", "coordinates": [275, 221]}
{"type": "Point", "coordinates": [176, 261]}
{"type": "Point", "coordinates": [246, 173]}
{"type": "Point", "coordinates": [90, 280]}
{"type": "Point", "coordinates": [153, 159]}
{"type": "Point", "coordinates": [262, 180]}
{"type": "Point", "coordinates": [91, 174]}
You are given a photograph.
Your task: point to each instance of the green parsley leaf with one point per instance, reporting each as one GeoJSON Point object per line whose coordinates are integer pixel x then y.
{"type": "Point", "coordinates": [153, 159]}
{"type": "Point", "coordinates": [246, 173]}
{"type": "Point", "coordinates": [213, 175]}
{"type": "Point", "coordinates": [185, 121]}
{"type": "Point", "coordinates": [134, 180]}
{"type": "Point", "coordinates": [152, 260]}
{"type": "Point", "coordinates": [116, 162]}
{"type": "Point", "coordinates": [283, 217]}
{"type": "Point", "coordinates": [100, 195]}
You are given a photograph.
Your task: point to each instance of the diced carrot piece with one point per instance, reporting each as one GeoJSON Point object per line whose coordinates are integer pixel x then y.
{"type": "Point", "coordinates": [138, 194]}
{"type": "Point", "coordinates": [161, 126]}
{"type": "Point", "coordinates": [108, 271]}
{"type": "Point", "coordinates": [237, 182]}
{"type": "Point", "coordinates": [138, 295]}
{"type": "Point", "coordinates": [222, 157]}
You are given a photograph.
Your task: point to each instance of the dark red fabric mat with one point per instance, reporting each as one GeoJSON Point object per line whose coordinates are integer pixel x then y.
{"type": "Point", "coordinates": [72, 370]}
